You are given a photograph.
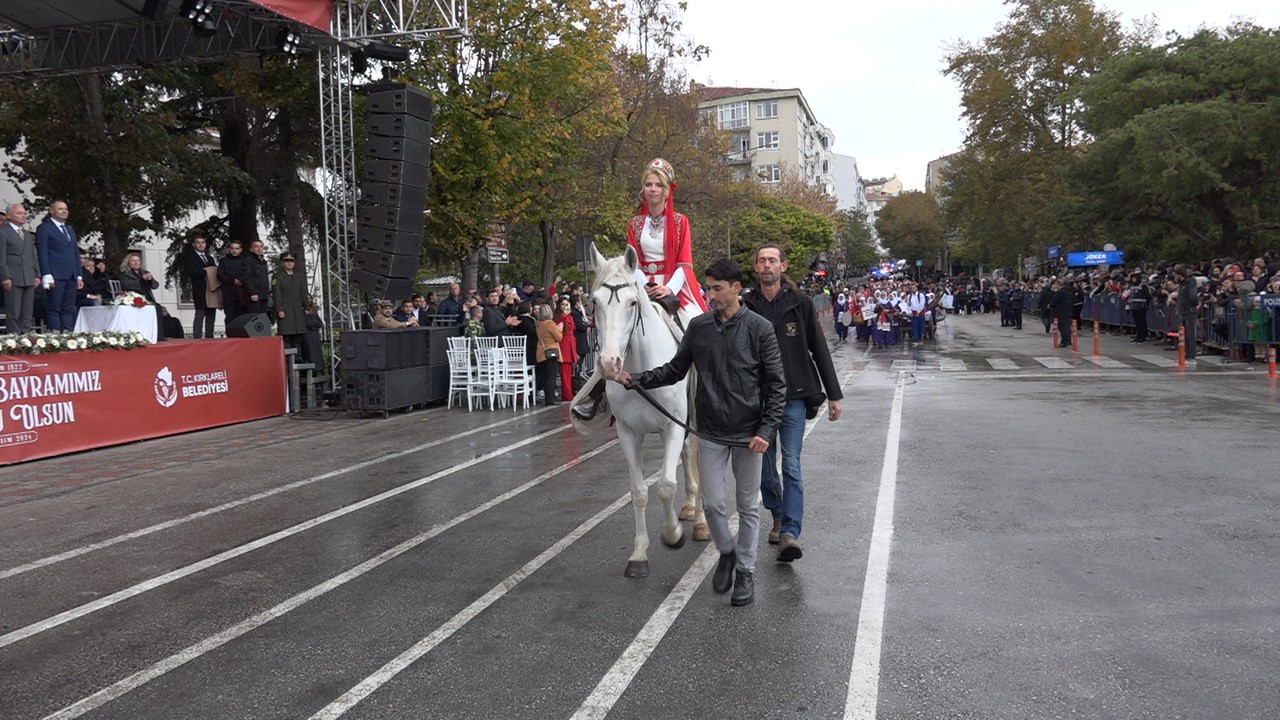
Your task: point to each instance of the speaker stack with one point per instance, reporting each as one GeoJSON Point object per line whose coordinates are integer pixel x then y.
{"type": "Point", "coordinates": [391, 369]}
{"type": "Point", "coordinates": [393, 192]}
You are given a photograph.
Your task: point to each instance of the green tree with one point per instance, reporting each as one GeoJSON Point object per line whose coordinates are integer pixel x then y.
{"type": "Point", "coordinates": [802, 233]}
{"type": "Point", "coordinates": [1005, 192]}
{"type": "Point", "coordinates": [855, 240]}
{"type": "Point", "coordinates": [911, 227]}
{"type": "Point", "coordinates": [1187, 142]}
{"type": "Point", "coordinates": [516, 103]}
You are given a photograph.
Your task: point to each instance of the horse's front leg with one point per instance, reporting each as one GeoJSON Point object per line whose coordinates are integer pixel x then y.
{"type": "Point", "coordinates": [638, 563]}
{"type": "Point", "coordinates": [672, 442]}
{"type": "Point", "coordinates": [693, 492]}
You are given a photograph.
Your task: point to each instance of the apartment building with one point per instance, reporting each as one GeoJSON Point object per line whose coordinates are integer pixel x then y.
{"type": "Point", "coordinates": [773, 133]}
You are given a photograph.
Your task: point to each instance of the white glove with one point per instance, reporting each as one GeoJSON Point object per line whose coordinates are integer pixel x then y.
{"type": "Point", "coordinates": [48, 281]}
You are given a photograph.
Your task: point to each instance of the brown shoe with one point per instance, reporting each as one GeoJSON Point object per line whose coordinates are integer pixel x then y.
{"type": "Point", "coordinates": [773, 534]}
{"type": "Point", "coordinates": [789, 549]}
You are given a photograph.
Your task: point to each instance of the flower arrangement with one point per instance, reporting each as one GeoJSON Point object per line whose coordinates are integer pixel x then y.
{"type": "Point", "coordinates": [48, 343]}
{"type": "Point", "coordinates": [131, 299]}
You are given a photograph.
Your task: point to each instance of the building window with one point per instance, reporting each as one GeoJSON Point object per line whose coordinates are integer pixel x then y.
{"type": "Point", "coordinates": [826, 167]}
{"type": "Point", "coordinates": [769, 173]}
{"type": "Point", "coordinates": [767, 140]}
{"type": "Point", "coordinates": [767, 109]}
{"type": "Point", "coordinates": [734, 115]}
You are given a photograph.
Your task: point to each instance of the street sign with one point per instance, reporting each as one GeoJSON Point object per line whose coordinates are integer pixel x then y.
{"type": "Point", "coordinates": [919, 263]}
{"type": "Point", "coordinates": [1095, 257]}
{"type": "Point", "coordinates": [499, 256]}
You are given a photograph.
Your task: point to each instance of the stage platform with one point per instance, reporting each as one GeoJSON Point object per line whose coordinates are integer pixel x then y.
{"type": "Point", "coordinates": [67, 402]}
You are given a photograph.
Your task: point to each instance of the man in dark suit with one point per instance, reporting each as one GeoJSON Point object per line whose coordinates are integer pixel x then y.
{"type": "Point", "coordinates": [19, 270]}
{"type": "Point", "coordinates": [257, 279]}
{"type": "Point", "coordinates": [58, 248]}
{"type": "Point", "coordinates": [1060, 307]}
{"type": "Point", "coordinates": [231, 275]}
{"type": "Point", "coordinates": [194, 261]}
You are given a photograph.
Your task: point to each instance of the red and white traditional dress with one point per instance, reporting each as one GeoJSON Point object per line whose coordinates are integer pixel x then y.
{"type": "Point", "coordinates": [666, 256]}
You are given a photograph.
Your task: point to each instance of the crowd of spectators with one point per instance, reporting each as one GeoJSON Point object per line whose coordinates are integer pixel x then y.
{"type": "Point", "coordinates": [554, 322]}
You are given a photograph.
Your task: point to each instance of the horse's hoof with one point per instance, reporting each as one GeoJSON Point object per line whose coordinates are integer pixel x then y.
{"type": "Point", "coordinates": [680, 541]}
{"type": "Point", "coordinates": [686, 512]}
{"type": "Point", "coordinates": [702, 532]}
{"type": "Point", "coordinates": [637, 569]}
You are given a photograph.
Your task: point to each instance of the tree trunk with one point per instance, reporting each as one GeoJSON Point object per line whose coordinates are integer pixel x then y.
{"type": "Point", "coordinates": [115, 234]}
{"type": "Point", "coordinates": [290, 193]}
{"type": "Point", "coordinates": [235, 142]}
{"type": "Point", "coordinates": [548, 232]}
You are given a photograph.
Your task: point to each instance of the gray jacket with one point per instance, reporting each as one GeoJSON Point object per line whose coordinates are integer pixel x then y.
{"type": "Point", "coordinates": [18, 261]}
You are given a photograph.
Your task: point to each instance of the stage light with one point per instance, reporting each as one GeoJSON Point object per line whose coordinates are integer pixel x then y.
{"type": "Point", "coordinates": [201, 15]}
{"type": "Point", "coordinates": [287, 40]}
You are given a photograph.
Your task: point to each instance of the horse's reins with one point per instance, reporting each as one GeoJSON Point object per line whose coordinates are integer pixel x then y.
{"type": "Point", "coordinates": [639, 324]}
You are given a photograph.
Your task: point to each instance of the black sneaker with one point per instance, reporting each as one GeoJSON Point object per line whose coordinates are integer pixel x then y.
{"type": "Point", "coordinates": [744, 589]}
{"type": "Point", "coordinates": [722, 578]}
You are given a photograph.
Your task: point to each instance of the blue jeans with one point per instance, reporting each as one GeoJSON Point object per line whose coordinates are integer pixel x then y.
{"type": "Point", "coordinates": [784, 497]}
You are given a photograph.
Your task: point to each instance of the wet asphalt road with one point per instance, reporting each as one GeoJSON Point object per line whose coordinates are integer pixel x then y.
{"type": "Point", "coordinates": [1094, 539]}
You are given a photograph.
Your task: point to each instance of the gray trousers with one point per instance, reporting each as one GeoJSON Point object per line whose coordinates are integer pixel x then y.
{"type": "Point", "coordinates": [19, 303]}
{"type": "Point", "coordinates": [714, 461]}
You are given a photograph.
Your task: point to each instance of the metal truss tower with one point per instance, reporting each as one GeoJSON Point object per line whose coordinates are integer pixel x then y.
{"type": "Point", "coordinates": [356, 25]}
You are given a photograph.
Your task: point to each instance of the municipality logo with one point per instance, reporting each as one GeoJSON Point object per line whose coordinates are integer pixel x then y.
{"type": "Point", "coordinates": [166, 389]}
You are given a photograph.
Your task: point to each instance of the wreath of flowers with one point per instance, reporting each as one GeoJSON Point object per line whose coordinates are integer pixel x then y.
{"type": "Point", "coordinates": [49, 343]}
{"type": "Point", "coordinates": [130, 299]}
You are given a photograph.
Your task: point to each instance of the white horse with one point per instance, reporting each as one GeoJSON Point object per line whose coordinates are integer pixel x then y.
{"type": "Point", "coordinates": [635, 335]}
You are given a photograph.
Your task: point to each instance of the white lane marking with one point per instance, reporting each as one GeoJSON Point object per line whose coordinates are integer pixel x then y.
{"type": "Point", "coordinates": [1158, 360]}
{"type": "Point", "coordinates": [1053, 363]}
{"type": "Point", "coordinates": [161, 580]}
{"type": "Point", "coordinates": [1002, 364]}
{"type": "Point", "coordinates": [903, 366]}
{"type": "Point", "coordinates": [384, 674]}
{"type": "Point", "coordinates": [952, 365]}
{"type": "Point", "coordinates": [619, 677]}
{"type": "Point", "coordinates": [143, 532]}
{"type": "Point", "coordinates": [864, 675]}
{"type": "Point", "coordinates": [213, 642]}
{"type": "Point", "coordinates": [1105, 362]}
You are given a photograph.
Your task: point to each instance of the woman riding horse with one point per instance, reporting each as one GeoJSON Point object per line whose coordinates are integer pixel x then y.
{"type": "Point", "coordinates": [664, 246]}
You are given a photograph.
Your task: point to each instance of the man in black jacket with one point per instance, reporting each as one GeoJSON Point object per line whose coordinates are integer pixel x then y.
{"type": "Point", "coordinates": [195, 258]}
{"type": "Point", "coordinates": [807, 361]}
{"type": "Point", "coordinates": [257, 279]}
{"type": "Point", "coordinates": [231, 275]}
{"type": "Point", "coordinates": [739, 405]}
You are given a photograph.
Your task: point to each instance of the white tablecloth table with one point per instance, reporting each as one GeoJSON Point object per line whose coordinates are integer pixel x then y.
{"type": "Point", "coordinates": [118, 317]}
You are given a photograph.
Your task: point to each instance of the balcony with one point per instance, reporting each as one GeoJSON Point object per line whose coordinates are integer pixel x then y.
{"type": "Point", "coordinates": [738, 158]}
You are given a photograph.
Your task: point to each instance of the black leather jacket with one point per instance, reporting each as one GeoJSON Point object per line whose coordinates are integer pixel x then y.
{"type": "Point", "coordinates": [742, 389]}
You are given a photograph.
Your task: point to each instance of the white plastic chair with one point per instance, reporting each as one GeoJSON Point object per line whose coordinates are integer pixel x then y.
{"type": "Point", "coordinates": [461, 375]}
{"type": "Point", "coordinates": [516, 378]}
{"type": "Point", "coordinates": [459, 342]}
{"type": "Point", "coordinates": [514, 341]}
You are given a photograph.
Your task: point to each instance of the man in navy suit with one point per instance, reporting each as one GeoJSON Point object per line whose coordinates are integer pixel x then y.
{"type": "Point", "coordinates": [19, 269]}
{"type": "Point", "coordinates": [58, 247]}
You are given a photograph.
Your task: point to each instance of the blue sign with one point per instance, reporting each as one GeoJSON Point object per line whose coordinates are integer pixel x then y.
{"type": "Point", "coordinates": [1055, 252]}
{"type": "Point", "coordinates": [1270, 301]}
{"type": "Point", "coordinates": [1095, 257]}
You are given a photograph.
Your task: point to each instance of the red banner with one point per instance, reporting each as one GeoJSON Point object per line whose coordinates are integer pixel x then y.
{"type": "Point", "coordinates": [316, 13]}
{"type": "Point", "coordinates": [56, 404]}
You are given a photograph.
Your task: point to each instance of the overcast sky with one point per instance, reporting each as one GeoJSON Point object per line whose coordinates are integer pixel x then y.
{"type": "Point", "coordinates": [872, 72]}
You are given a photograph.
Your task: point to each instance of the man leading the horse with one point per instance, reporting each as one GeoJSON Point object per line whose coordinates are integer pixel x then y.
{"type": "Point", "coordinates": [664, 243]}
{"type": "Point", "coordinates": [739, 402]}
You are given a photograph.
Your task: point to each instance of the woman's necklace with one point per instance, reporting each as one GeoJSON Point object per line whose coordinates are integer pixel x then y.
{"type": "Point", "coordinates": [656, 226]}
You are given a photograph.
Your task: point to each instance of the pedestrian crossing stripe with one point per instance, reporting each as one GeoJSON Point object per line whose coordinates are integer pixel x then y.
{"type": "Point", "coordinates": [1053, 363]}
{"type": "Point", "coordinates": [1163, 361]}
{"type": "Point", "coordinates": [1002, 364]}
{"type": "Point", "coordinates": [1105, 362]}
{"type": "Point", "coordinates": [951, 365]}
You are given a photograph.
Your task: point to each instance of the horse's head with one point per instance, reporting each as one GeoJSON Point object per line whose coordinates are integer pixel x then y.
{"type": "Point", "coordinates": [618, 301]}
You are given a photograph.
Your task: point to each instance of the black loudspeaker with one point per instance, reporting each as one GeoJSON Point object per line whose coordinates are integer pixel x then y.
{"type": "Point", "coordinates": [384, 349]}
{"type": "Point", "coordinates": [393, 191]}
{"type": "Point", "coordinates": [389, 241]}
{"type": "Point", "coordinates": [247, 326]}
{"type": "Point", "coordinates": [387, 264]}
{"type": "Point", "coordinates": [400, 126]}
{"type": "Point", "coordinates": [403, 100]}
{"type": "Point", "coordinates": [384, 389]}
{"type": "Point", "coordinates": [399, 173]}
{"type": "Point", "coordinates": [394, 289]}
